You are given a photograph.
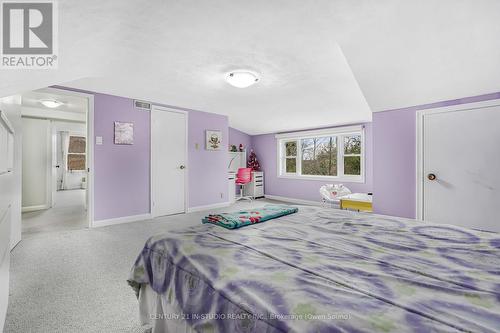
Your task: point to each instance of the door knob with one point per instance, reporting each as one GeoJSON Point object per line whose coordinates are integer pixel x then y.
{"type": "Point", "coordinates": [431, 176]}
{"type": "Point", "coordinates": [182, 167]}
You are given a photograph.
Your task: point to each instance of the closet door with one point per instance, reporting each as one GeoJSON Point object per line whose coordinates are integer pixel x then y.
{"type": "Point", "coordinates": [168, 161]}
{"type": "Point", "coordinates": [461, 163]}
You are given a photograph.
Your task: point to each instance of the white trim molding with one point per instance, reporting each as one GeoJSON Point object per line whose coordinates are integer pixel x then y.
{"type": "Point", "coordinates": [293, 200]}
{"type": "Point", "coordinates": [320, 132]}
{"type": "Point", "coordinates": [90, 147]}
{"type": "Point", "coordinates": [28, 209]}
{"type": "Point", "coordinates": [420, 143]}
{"type": "Point", "coordinates": [121, 220]}
{"type": "Point", "coordinates": [208, 207]}
{"type": "Point", "coordinates": [6, 122]}
{"type": "Point", "coordinates": [339, 132]}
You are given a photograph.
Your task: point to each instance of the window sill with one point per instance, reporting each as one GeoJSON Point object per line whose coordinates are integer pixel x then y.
{"type": "Point", "coordinates": [360, 179]}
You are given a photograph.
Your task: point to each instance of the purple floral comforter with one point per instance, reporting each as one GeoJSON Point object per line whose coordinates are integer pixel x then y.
{"type": "Point", "coordinates": [327, 270]}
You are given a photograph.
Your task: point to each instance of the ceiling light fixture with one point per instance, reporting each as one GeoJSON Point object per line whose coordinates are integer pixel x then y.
{"type": "Point", "coordinates": [241, 79]}
{"type": "Point", "coordinates": [51, 103]}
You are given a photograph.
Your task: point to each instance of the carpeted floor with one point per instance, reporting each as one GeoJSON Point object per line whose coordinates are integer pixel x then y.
{"type": "Point", "coordinates": [75, 280]}
{"type": "Point", "coordinates": [68, 213]}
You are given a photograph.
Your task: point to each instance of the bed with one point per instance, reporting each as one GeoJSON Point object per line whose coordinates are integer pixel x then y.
{"type": "Point", "coordinates": [321, 270]}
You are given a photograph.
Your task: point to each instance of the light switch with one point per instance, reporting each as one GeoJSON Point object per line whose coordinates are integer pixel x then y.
{"type": "Point", "coordinates": [98, 140]}
{"type": "Point", "coordinates": [196, 146]}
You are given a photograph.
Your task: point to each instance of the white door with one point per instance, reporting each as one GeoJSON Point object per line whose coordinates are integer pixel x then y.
{"type": "Point", "coordinates": [168, 161]}
{"type": "Point", "coordinates": [461, 168]}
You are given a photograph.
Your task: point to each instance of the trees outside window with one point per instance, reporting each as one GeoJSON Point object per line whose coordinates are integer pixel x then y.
{"type": "Point", "coordinates": [338, 156]}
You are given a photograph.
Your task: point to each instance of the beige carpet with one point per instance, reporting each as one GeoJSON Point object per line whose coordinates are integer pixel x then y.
{"type": "Point", "coordinates": [75, 280]}
{"type": "Point", "coordinates": [68, 214]}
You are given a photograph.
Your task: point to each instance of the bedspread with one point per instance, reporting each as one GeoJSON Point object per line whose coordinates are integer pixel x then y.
{"type": "Point", "coordinates": [327, 270]}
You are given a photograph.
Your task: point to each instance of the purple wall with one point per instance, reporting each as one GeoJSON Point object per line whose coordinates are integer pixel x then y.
{"type": "Point", "coordinates": [265, 148]}
{"type": "Point", "coordinates": [394, 164]}
{"type": "Point", "coordinates": [390, 161]}
{"type": "Point", "coordinates": [236, 137]}
{"type": "Point", "coordinates": [394, 150]}
{"type": "Point", "coordinates": [207, 169]}
{"type": "Point", "coordinates": [122, 172]}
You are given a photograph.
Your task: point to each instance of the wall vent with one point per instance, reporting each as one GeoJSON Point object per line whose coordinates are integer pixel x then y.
{"type": "Point", "coordinates": [146, 106]}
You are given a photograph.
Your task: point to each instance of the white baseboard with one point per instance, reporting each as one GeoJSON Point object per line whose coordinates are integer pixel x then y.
{"type": "Point", "coordinates": [120, 220]}
{"type": "Point", "coordinates": [207, 207]}
{"type": "Point", "coordinates": [294, 200]}
{"type": "Point", "coordinates": [34, 208]}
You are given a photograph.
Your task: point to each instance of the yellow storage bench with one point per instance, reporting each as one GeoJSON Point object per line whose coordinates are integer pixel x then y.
{"type": "Point", "coordinates": [357, 201]}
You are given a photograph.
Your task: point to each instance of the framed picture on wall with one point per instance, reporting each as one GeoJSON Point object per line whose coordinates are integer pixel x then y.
{"type": "Point", "coordinates": [213, 139]}
{"type": "Point", "coordinates": [124, 133]}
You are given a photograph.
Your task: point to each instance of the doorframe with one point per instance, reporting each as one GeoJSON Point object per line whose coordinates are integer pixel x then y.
{"type": "Point", "coordinates": [90, 147]}
{"type": "Point", "coordinates": [54, 138]}
{"type": "Point", "coordinates": [420, 177]}
{"type": "Point", "coordinates": [151, 174]}
{"type": "Point", "coordinates": [53, 160]}
{"type": "Point", "coordinates": [49, 198]}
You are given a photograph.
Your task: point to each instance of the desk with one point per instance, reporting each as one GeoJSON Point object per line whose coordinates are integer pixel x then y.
{"type": "Point", "coordinates": [255, 188]}
{"type": "Point", "coordinates": [231, 191]}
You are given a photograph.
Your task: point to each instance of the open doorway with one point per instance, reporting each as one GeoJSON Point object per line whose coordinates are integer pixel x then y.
{"type": "Point", "coordinates": [55, 161]}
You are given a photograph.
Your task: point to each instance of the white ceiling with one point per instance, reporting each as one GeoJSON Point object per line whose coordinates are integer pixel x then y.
{"type": "Point", "coordinates": [401, 52]}
{"type": "Point", "coordinates": [71, 103]}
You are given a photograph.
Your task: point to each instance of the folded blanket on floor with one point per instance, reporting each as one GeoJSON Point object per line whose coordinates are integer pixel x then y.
{"type": "Point", "coordinates": [242, 218]}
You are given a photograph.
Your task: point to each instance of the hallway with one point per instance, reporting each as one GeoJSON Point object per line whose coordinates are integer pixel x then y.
{"type": "Point", "coordinates": [68, 214]}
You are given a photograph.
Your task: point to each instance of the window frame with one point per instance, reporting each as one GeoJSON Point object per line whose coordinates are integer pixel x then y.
{"type": "Point", "coordinates": [351, 155]}
{"type": "Point", "coordinates": [285, 156]}
{"type": "Point", "coordinates": [339, 133]}
{"type": "Point", "coordinates": [84, 154]}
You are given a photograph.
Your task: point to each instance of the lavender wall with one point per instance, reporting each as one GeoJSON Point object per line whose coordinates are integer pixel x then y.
{"type": "Point", "coordinates": [390, 161]}
{"type": "Point", "coordinates": [236, 137]}
{"type": "Point", "coordinates": [207, 169]}
{"type": "Point", "coordinates": [121, 183]}
{"type": "Point", "coordinates": [122, 172]}
{"type": "Point", "coordinates": [394, 164]}
{"type": "Point", "coordinates": [394, 150]}
{"type": "Point", "coordinates": [265, 148]}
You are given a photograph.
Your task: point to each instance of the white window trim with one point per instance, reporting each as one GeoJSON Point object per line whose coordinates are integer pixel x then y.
{"type": "Point", "coordinates": [321, 132]}
{"type": "Point", "coordinates": [338, 132]}
{"type": "Point", "coordinates": [74, 134]}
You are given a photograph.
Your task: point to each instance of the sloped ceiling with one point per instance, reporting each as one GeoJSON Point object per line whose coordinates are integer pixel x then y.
{"type": "Point", "coordinates": [321, 62]}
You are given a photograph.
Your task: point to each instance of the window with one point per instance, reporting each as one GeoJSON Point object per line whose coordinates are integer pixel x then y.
{"type": "Point", "coordinates": [335, 154]}
{"type": "Point", "coordinates": [319, 156]}
{"type": "Point", "coordinates": [291, 156]}
{"type": "Point", "coordinates": [76, 153]}
{"type": "Point", "coordinates": [352, 155]}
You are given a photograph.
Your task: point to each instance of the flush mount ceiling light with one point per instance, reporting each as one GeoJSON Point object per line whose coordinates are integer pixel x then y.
{"type": "Point", "coordinates": [51, 103]}
{"type": "Point", "coordinates": [241, 79]}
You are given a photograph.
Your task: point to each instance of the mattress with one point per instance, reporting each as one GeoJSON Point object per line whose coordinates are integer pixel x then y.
{"type": "Point", "coordinates": [321, 270]}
